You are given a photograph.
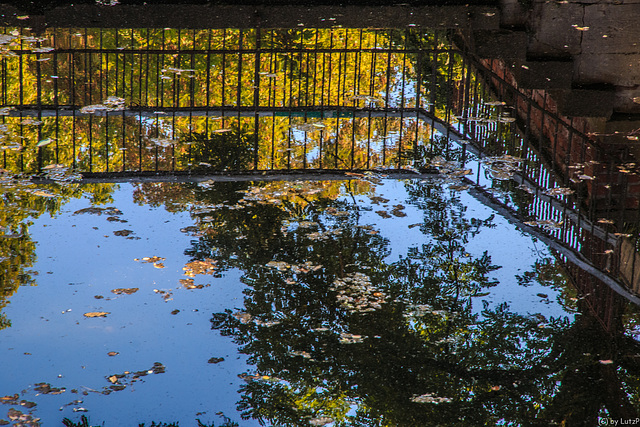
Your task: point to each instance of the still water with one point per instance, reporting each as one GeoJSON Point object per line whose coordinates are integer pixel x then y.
{"type": "Point", "coordinates": [313, 226]}
{"type": "Point", "coordinates": [363, 299]}
{"type": "Point", "coordinates": [369, 299]}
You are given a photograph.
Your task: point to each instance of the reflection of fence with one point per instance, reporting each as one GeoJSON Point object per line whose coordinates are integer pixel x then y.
{"type": "Point", "coordinates": [197, 101]}
{"type": "Point", "coordinates": [570, 187]}
{"type": "Point", "coordinates": [271, 84]}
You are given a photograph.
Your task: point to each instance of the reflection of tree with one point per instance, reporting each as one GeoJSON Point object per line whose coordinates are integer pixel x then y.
{"type": "Point", "coordinates": [428, 340]}
{"type": "Point", "coordinates": [232, 150]}
{"type": "Point", "coordinates": [427, 355]}
{"type": "Point", "coordinates": [20, 203]}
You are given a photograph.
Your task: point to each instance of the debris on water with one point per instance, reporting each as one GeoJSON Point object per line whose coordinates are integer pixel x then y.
{"type": "Point", "coordinates": [307, 224]}
{"type": "Point", "coordinates": [419, 310]}
{"type": "Point", "coordinates": [121, 381]}
{"type": "Point", "coordinates": [99, 211]}
{"type": "Point", "coordinates": [123, 233]}
{"type": "Point", "coordinates": [605, 221]}
{"type": "Point", "coordinates": [548, 224]}
{"type": "Point", "coordinates": [10, 399]}
{"type": "Point", "coordinates": [356, 293]}
{"type": "Point", "coordinates": [503, 167]}
{"type": "Point", "coordinates": [116, 219]}
{"type": "Point", "coordinates": [164, 142]}
{"type": "Point", "coordinates": [45, 388]}
{"type": "Point", "coordinates": [308, 127]}
{"type": "Point", "coordinates": [42, 193]}
{"type": "Point", "coordinates": [304, 354]}
{"type": "Point", "coordinates": [207, 266]}
{"type": "Point", "coordinates": [377, 199]}
{"type": "Point", "coordinates": [178, 71]}
{"type": "Point", "coordinates": [257, 377]}
{"type": "Point", "coordinates": [31, 122]}
{"type": "Point", "coordinates": [22, 419]}
{"type": "Point", "coordinates": [243, 317]}
{"type": "Point", "coordinates": [346, 338]}
{"type": "Point", "coordinates": [166, 295]}
{"type": "Point", "coordinates": [189, 284]}
{"type": "Point", "coordinates": [363, 97]}
{"type": "Point", "coordinates": [127, 291]}
{"type": "Point", "coordinates": [430, 398]}
{"type": "Point", "coordinates": [559, 191]}
{"type": "Point", "coordinates": [579, 28]}
{"type": "Point", "coordinates": [266, 324]}
{"type": "Point", "coordinates": [44, 142]}
{"type": "Point", "coordinates": [97, 314]}
{"type": "Point", "coordinates": [320, 421]}
{"type": "Point", "coordinates": [155, 260]}
{"type": "Point", "coordinates": [397, 211]}
{"type": "Point", "coordinates": [112, 103]}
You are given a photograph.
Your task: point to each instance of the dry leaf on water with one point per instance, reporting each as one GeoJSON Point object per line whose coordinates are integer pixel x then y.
{"type": "Point", "coordinates": [97, 314]}
{"type": "Point", "coordinates": [128, 291]}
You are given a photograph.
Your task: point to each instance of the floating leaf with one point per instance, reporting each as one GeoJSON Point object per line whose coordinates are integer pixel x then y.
{"type": "Point", "coordinates": [605, 221]}
{"type": "Point", "coordinates": [10, 398]}
{"type": "Point", "coordinates": [559, 191]}
{"type": "Point", "coordinates": [31, 122]}
{"type": "Point", "coordinates": [45, 388]}
{"type": "Point", "coordinates": [164, 142]}
{"type": "Point", "coordinates": [545, 223]}
{"type": "Point", "coordinates": [127, 291]}
{"type": "Point", "coordinates": [42, 193]}
{"type": "Point", "coordinates": [430, 398]}
{"type": "Point", "coordinates": [320, 421]}
{"type": "Point", "coordinates": [346, 338]}
{"type": "Point", "coordinates": [97, 314]}
{"type": "Point", "coordinates": [44, 142]}
{"type": "Point", "coordinates": [243, 317]}
{"type": "Point", "coordinates": [208, 266]}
